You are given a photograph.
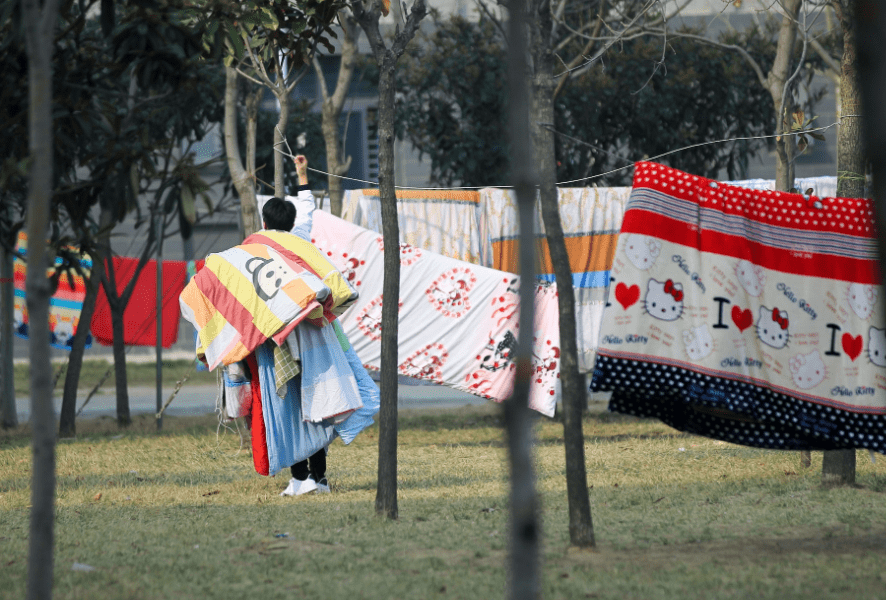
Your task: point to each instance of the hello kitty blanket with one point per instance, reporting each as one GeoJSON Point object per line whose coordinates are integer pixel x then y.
{"type": "Point", "coordinates": [749, 316]}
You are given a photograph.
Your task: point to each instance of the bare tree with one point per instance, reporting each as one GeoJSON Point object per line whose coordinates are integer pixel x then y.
{"type": "Point", "coordinates": [117, 302]}
{"type": "Point", "coordinates": [39, 22]}
{"type": "Point", "coordinates": [574, 393]}
{"type": "Point", "coordinates": [367, 14]}
{"type": "Point", "coordinates": [337, 164]}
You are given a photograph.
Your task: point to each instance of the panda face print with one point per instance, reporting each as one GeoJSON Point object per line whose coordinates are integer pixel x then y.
{"type": "Point", "coordinates": [268, 274]}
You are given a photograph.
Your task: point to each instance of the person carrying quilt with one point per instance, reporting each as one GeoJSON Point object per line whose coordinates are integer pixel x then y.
{"type": "Point", "coordinates": [267, 310]}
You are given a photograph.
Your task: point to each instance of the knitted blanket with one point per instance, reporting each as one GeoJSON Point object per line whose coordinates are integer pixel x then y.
{"type": "Point", "coordinates": [749, 316]}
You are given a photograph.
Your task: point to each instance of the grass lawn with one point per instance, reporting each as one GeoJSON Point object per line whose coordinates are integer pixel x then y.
{"type": "Point", "coordinates": [182, 514]}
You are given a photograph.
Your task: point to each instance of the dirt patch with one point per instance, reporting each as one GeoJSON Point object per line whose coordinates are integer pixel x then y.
{"type": "Point", "coordinates": [286, 544]}
{"type": "Point", "coordinates": [731, 552]}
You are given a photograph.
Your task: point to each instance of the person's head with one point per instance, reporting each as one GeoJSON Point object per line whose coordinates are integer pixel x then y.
{"type": "Point", "coordinates": [278, 214]}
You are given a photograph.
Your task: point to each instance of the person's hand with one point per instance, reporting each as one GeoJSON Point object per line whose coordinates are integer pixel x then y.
{"type": "Point", "coordinates": [301, 168]}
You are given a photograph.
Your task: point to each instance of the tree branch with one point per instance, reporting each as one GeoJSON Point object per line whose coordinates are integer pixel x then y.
{"type": "Point", "coordinates": [832, 63]}
{"type": "Point", "coordinates": [744, 53]}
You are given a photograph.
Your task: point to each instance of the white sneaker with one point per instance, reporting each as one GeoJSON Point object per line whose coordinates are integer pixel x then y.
{"type": "Point", "coordinates": [297, 488]}
{"type": "Point", "coordinates": [323, 486]}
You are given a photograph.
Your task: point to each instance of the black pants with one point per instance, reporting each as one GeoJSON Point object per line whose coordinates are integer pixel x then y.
{"type": "Point", "coordinates": [317, 468]}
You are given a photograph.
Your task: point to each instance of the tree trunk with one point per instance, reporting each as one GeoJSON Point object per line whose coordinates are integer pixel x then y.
{"type": "Point", "coordinates": [8, 413]}
{"type": "Point", "coordinates": [851, 164]}
{"type": "Point", "coordinates": [67, 427]}
{"type": "Point", "coordinates": [336, 162]}
{"type": "Point", "coordinates": [870, 18]}
{"type": "Point", "coordinates": [386, 59]}
{"type": "Point", "coordinates": [279, 131]}
{"type": "Point", "coordinates": [524, 534]}
{"type": "Point", "coordinates": [242, 180]}
{"type": "Point", "coordinates": [386, 495]}
{"type": "Point", "coordinates": [336, 189]}
{"type": "Point", "coordinates": [838, 466]}
{"type": "Point", "coordinates": [581, 529]}
{"type": "Point", "coordinates": [252, 102]}
{"type": "Point", "coordinates": [117, 307]}
{"type": "Point", "coordinates": [781, 98]}
{"type": "Point", "coordinates": [39, 26]}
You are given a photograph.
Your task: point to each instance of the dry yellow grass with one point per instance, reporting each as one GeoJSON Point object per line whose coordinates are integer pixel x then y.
{"type": "Point", "coordinates": [183, 514]}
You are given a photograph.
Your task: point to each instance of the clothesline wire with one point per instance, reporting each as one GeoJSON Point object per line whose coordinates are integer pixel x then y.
{"type": "Point", "coordinates": [563, 183]}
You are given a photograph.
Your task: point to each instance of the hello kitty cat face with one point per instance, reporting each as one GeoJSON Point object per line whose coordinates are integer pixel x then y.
{"type": "Point", "coordinates": [751, 277]}
{"type": "Point", "coordinates": [698, 342]}
{"type": "Point", "coordinates": [807, 370]}
{"type": "Point", "coordinates": [861, 299]}
{"type": "Point", "coordinates": [772, 327]}
{"type": "Point", "coordinates": [877, 346]}
{"type": "Point", "coordinates": [641, 250]}
{"type": "Point", "coordinates": [664, 300]}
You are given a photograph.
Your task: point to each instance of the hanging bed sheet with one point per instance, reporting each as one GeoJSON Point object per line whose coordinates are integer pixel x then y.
{"type": "Point", "coordinates": [65, 305]}
{"type": "Point", "coordinates": [753, 317]}
{"type": "Point", "coordinates": [458, 321]}
{"type": "Point", "coordinates": [140, 315]}
{"type": "Point", "coordinates": [823, 187]}
{"type": "Point", "coordinates": [442, 221]}
{"type": "Point", "coordinates": [591, 219]}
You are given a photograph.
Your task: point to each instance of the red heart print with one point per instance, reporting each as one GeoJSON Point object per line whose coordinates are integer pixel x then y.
{"type": "Point", "coordinates": [742, 318]}
{"type": "Point", "coordinates": [625, 295]}
{"type": "Point", "coordinates": [852, 345]}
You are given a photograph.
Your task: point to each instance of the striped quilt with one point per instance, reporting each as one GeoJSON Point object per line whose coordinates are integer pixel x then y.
{"type": "Point", "coordinates": [261, 289]}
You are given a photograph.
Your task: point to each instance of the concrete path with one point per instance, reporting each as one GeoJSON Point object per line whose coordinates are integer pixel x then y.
{"type": "Point", "coordinates": [200, 400]}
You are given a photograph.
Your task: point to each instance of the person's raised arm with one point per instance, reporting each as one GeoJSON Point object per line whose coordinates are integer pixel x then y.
{"type": "Point", "coordinates": [304, 201]}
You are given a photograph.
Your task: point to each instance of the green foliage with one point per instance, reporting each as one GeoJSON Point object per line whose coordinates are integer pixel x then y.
{"type": "Point", "coordinates": [632, 107]}
{"type": "Point", "coordinates": [451, 102]}
{"type": "Point", "coordinates": [451, 105]}
{"type": "Point", "coordinates": [122, 104]}
{"type": "Point", "coordinates": [293, 28]}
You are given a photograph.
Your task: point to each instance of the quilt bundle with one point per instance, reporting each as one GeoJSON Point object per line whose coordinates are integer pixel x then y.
{"type": "Point", "coordinates": [261, 289]}
{"type": "Point", "coordinates": [749, 316]}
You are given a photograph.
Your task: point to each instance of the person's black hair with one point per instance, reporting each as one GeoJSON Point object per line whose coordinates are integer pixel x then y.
{"type": "Point", "coordinates": [278, 214]}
